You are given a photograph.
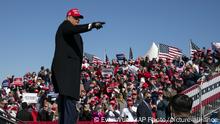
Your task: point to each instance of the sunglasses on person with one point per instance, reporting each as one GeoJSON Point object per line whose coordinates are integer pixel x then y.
{"type": "Point", "coordinates": [149, 98]}
{"type": "Point", "coordinates": [76, 18]}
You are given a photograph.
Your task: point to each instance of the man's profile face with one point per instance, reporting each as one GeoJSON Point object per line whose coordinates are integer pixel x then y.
{"type": "Point", "coordinates": [74, 20]}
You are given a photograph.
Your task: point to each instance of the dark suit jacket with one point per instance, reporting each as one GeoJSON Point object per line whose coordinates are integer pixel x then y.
{"type": "Point", "coordinates": [144, 113]}
{"type": "Point", "coordinates": [24, 115]}
{"type": "Point", "coordinates": [44, 116]}
{"type": "Point", "coordinates": [67, 61]}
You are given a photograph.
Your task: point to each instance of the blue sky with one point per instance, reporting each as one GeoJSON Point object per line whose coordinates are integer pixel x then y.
{"type": "Point", "coordinates": [28, 27]}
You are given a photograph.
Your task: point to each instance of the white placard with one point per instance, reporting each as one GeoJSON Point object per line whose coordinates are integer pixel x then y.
{"type": "Point", "coordinates": [30, 97]}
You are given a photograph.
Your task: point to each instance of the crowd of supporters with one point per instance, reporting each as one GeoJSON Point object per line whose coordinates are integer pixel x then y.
{"type": "Point", "coordinates": [112, 90]}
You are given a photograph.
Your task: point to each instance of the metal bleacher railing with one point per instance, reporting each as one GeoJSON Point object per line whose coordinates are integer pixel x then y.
{"type": "Point", "coordinates": [206, 98]}
{"type": "Point", "coordinates": [8, 119]}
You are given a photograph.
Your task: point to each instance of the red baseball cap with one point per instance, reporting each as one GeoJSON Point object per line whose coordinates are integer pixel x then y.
{"type": "Point", "coordinates": [113, 102]}
{"type": "Point", "coordinates": [145, 85]}
{"type": "Point", "coordinates": [75, 13]}
{"type": "Point", "coordinates": [160, 92]}
{"type": "Point", "coordinates": [166, 77]}
{"type": "Point", "coordinates": [129, 99]}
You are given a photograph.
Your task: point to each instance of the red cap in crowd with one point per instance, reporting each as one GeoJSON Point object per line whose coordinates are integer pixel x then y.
{"type": "Point", "coordinates": [166, 77]}
{"type": "Point", "coordinates": [93, 102]}
{"type": "Point", "coordinates": [153, 77]}
{"type": "Point", "coordinates": [112, 85]}
{"type": "Point", "coordinates": [168, 82]}
{"type": "Point", "coordinates": [132, 78]}
{"type": "Point", "coordinates": [129, 99]}
{"type": "Point", "coordinates": [95, 91]}
{"type": "Point", "coordinates": [180, 79]}
{"type": "Point", "coordinates": [74, 12]}
{"type": "Point", "coordinates": [105, 96]}
{"type": "Point", "coordinates": [109, 90]}
{"type": "Point", "coordinates": [30, 81]}
{"type": "Point", "coordinates": [36, 91]}
{"type": "Point", "coordinates": [96, 98]}
{"type": "Point", "coordinates": [112, 102]}
{"type": "Point", "coordinates": [145, 85]}
{"type": "Point", "coordinates": [160, 92]}
{"type": "Point", "coordinates": [14, 108]}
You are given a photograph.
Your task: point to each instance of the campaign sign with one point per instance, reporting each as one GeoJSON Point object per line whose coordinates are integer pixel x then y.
{"type": "Point", "coordinates": [5, 83]}
{"type": "Point", "coordinates": [30, 97]}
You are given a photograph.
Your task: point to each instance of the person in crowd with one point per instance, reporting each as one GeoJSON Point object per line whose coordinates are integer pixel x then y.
{"type": "Point", "coordinates": [190, 76]}
{"type": "Point", "coordinates": [99, 112]}
{"type": "Point", "coordinates": [45, 113]}
{"type": "Point", "coordinates": [121, 102]}
{"type": "Point", "coordinates": [24, 114]}
{"type": "Point", "coordinates": [34, 111]}
{"type": "Point", "coordinates": [67, 62]}
{"type": "Point", "coordinates": [144, 110]}
{"type": "Point", "coordinates": [41, 73]}
{"type": "Point", "coordinates": [54, 111]}
{"type": "Point", "coordinates": [3, 103]}
{"type": "Point", "coordinates": [162, 105]}
{"type": "Point", "coordinates": [178, 85]}
{"type": "Point", "coordinates": [168, 89]}
{"type": "Point", "coordinates": [135, 98]}
{"type": "Point", "coordinates": [129, 113]}
{"type": "Point", "coordinates": [112, 114]}
{"type": "Point", "coordinates": [85, 113]}
{"type": "Point", "coordinates": [180, 106]}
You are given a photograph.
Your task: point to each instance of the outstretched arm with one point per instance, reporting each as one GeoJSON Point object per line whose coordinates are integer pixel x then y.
{"type": "Point", "coordinates": [68, 28]}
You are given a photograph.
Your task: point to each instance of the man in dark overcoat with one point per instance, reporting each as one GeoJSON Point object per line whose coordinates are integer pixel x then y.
{"type": "Point", "coordinates": [66, 65]}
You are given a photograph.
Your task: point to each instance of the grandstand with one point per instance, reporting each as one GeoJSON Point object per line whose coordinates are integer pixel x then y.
{"type": "Point", "coordinates": [117, 82]}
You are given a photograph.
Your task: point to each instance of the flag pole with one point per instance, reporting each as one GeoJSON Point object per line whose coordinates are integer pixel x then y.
{"type": "Point", "coordinates": [129, 53]}
{"type": "Point", "coordinates": [190, 47]}
{"type": "Point", "coordinates": [104, 55]}
{"type": "Point", "coordinates": [158, 46]}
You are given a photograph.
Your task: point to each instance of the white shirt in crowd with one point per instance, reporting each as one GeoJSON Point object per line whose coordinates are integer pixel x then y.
{"type": "Point", "coordinates": [111, 116]}
{"type": "Point", "coordinates": [127, 114]}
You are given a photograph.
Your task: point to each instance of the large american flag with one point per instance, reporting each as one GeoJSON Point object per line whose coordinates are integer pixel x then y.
{"type": "Point", "coordinates": [168, 52]}
{"type": "Point", "coordinates": [193, 48]}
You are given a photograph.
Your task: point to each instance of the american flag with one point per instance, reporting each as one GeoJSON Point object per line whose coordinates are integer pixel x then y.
{"type": "Point", "coordinates": [193, 48]}
{"type": "Point", "coordinates": [170, 52]}
{"type": "Point", "coordinates": [96, 60]}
